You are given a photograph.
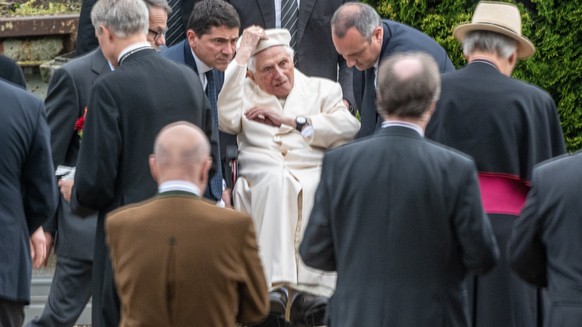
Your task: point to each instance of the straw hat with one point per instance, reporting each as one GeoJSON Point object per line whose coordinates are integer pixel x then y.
{"type": "Point", "coordinates": [276, 36]}
{"type": "Point", "coordinates": [499, 17]}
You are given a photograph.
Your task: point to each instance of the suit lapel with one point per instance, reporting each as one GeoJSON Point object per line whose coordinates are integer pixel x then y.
{"type": "Point", "coordinates": [267, 8]}
{"type": "Point", "coordinates": [304, 13]}
{"type": "Point", "coordinates": [189, 58]}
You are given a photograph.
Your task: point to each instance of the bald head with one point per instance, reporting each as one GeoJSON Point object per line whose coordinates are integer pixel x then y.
{"type": "Point", "coordinates": [408, 85]}
{"type": "Point", "coordinates": [181, 152]}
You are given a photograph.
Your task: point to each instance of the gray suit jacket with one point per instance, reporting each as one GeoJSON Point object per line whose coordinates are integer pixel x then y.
{"type": "Point", "coordinates": [546, 244]}
{"type": "Point", "coordinates": [315, 54]}
{"type": "Point", "coordinates": [400, 220]}
{"type": "Point", "coordinates": [67, 98]}
{"type": "Point", "coordinates": [28, 193]}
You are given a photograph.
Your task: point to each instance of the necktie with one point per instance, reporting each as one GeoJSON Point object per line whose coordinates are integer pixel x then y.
{"type": "Point", "coordinates": [289, 15]}
{"type": "Point", "coordinates": [216, 180]}
{"type": "Point", "coordinates": [175, 26]}
{"type": "Point", "coordinates": [368, 111]}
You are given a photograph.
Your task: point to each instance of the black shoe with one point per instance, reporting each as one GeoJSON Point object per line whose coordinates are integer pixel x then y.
{"type": "Point", "coordinates": [308, 310]}
{"type": "Point", "coordinates": [276, 317]}
{"type": "Point", "coordinates": [278, 301]}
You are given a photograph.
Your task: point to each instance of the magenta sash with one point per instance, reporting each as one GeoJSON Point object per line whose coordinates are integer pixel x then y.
{"type": "Point", "coordinates": [502, 193]}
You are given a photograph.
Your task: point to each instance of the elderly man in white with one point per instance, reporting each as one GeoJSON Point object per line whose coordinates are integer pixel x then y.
{"type": "Point", "coordinates": [284, 122]}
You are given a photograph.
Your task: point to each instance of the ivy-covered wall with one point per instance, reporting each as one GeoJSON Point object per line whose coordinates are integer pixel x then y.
{"type": "Point", "coordinates": [554, 27]}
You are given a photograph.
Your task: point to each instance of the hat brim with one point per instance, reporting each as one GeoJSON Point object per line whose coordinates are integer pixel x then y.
{"type": "Point", "coordinates": [525, 47]}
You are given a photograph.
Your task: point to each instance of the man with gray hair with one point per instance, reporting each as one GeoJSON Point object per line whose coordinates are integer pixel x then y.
{"type": "Point", "coordinates": [127, 108]}
{"type": "Point", "coordinates": [284, 122]}
{"type": "Point", "coordinates": [74, 236]}
{"type": "Point", "coordinates": [364, 39]}
{"type": "Point", "coordinates": [507, 126]}
{"type": "Point", "coordinates": [158, 16]}
{"type": "Point", "coordinates": [403, 248]}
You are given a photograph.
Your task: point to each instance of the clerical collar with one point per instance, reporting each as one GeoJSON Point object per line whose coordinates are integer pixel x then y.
{"type": "Point", "coordinates": [133, 49]}
{"type": "Point", "coordinates": [393, 122]}
{"type": "Point", "coordinates": [177, 185]}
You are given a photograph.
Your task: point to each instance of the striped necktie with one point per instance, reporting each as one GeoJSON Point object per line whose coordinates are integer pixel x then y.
{"type": "Point", "coordinates": [289, 15]}
{"type": "Point", "coordinates": [176, 31]}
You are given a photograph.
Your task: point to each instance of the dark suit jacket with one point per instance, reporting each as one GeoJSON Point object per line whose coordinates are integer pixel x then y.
{"type": "Point", "coordinates": [181, 261]}
{"type": "Point", "coordinates": [66, 100]}
{"type": "Point", "coordinates": [11, 72]}
{"type": "Point", "coordinates": [315, 54]}
{"type": "Point", "coordinates": [506, 125]}
{"type": "Point", "coordinates": [400, 220]}
{"type": "Point", "coordinates": [397, 38]}
{"type": "Point", "coordinates": [182, 53]}
{"type": "Point", "coordinates": [127, 108]}
{"type": "Point", "coordinates": [546, 244]}
{"type": "Point", "coordinates": [28, 191]}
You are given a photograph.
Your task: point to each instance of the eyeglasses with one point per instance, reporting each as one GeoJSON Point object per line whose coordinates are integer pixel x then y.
{"type": "Point", "coordinates": [157, 34]}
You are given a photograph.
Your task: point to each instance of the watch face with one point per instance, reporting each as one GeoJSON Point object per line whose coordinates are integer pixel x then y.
{"type": "Point", "coordinates": [300, 120]}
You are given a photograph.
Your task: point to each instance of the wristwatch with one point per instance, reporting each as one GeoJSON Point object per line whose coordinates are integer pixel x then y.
{"type": "Point", "coordinates": [300, 121]}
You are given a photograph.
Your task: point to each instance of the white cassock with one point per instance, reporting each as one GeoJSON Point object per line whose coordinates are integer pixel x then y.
{"type": "Point", "coordinates": [279, 168]}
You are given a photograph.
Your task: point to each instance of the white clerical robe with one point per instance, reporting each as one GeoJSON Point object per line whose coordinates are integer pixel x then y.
{"type": "Point", "coordinates": [279, 168]}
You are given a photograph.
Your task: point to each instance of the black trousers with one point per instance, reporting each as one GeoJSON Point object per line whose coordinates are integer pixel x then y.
{"type": "Point", "coordinates": [11, 313]}
{"type": "Point", "coordinates": [70, 292]}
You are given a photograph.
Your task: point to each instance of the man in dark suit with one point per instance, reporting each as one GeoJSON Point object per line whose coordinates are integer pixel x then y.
{"type": "Point", "coordinates": [127, 108]}
{"type": "Point", "coordinates": [364, 40]}
{"type": "Point", "coordinates": [213, 29]}
{"type": "Point", "coordinates": [404, 229]}
{"type": "Point", "coordinates": [66, 101]}
{"type": "Point", "coordinates": [11, 72]}
{"type": "Point", "coordinates": [545, 247]}
{"type": "Point", "coordinates": [74, 236]}
{"type": "Point", "coordinates": [28, 196]}
{"type": "Point", "coordinates": [157, 246]}
{"type": "Point", "coordinates": [315, 54]}
{"type": "Point", "coordinates": [507, 126]}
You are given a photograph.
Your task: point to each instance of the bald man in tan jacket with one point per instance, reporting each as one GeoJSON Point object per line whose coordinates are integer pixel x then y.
{"type": "Point", "coordinates": [178, 259]}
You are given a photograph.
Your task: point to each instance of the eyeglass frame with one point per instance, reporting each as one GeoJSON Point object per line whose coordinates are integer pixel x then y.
{"type": "Point", "coordinates": [157, 34]}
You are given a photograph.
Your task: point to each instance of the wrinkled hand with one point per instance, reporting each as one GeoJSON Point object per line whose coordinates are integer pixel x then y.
{"type": "Point", "coordinates": [249, 40]}
{"type": "Point", "coordinates": [66, 186]}
{"type": "Point", "coordinates": [269, 116]}
{"type": "Point", "coordinates": [38, 248]}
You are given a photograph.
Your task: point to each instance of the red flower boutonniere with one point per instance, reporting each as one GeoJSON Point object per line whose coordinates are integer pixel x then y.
{"type": "Point", "coordinates": [80, 124]}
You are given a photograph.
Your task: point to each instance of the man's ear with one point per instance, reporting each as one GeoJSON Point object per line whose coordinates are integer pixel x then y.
{"type": "Point", "coordinates": [250, 75]}
{"type": "Point", "coordinates": [153, 167]}
{"type": "Point", "coordinates": [378, 34]}
{"type": "Point", "coordinates": [192, 38]}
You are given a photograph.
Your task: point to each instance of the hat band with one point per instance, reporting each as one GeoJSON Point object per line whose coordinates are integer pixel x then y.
{"type": "Point", "coordinates": [501, 26]}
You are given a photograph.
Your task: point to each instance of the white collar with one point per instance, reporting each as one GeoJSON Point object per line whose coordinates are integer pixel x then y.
{"type": "Point", "coordinates": [177, 185]}
{"type": "Point", "coordinates": [131, 49]}
{"type": "Point", "coordinates": [394, 122]}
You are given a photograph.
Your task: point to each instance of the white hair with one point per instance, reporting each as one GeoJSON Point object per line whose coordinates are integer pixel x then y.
{"type": "Point", "coordinates": [490, 42]}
